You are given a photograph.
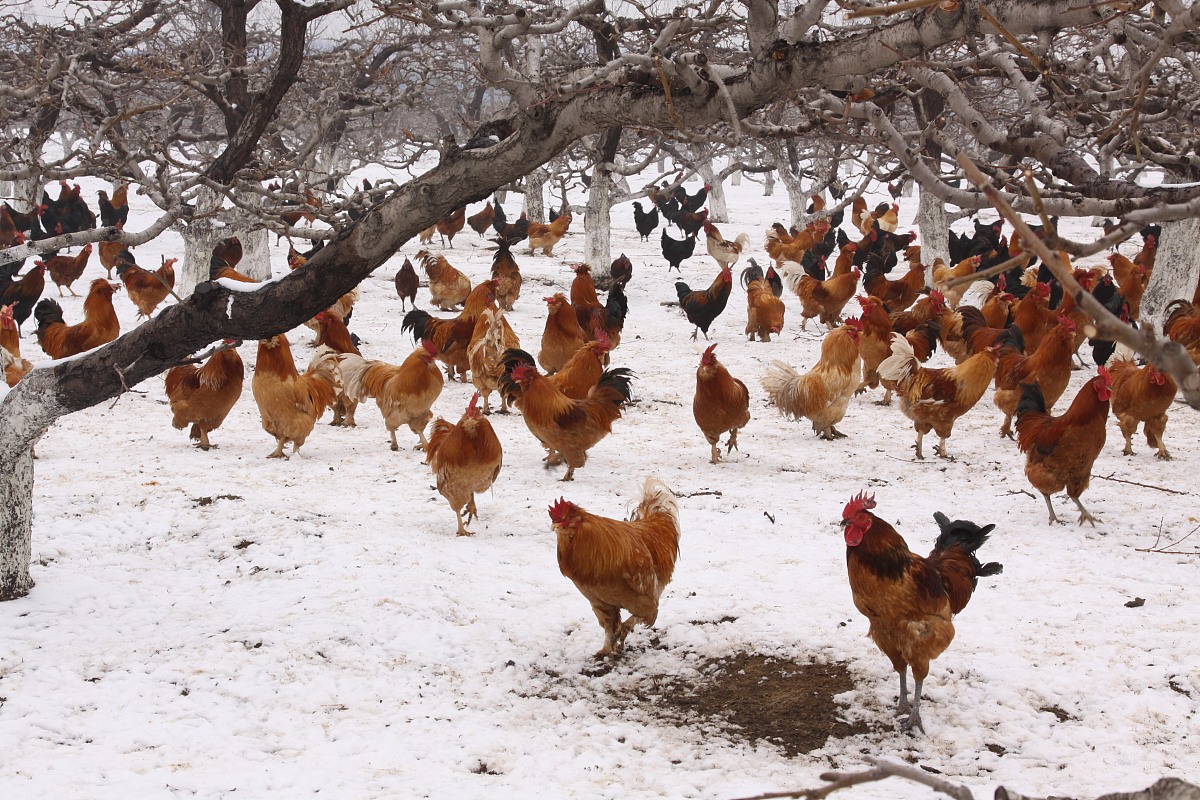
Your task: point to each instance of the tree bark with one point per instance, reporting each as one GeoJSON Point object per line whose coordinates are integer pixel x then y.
{"type": "Point", "coordinates": [535, 194]}
{"type": "Point", "coordinates": [718, 211]}
{"type": "Point", "coordinates": [934, 230]}
{"type": "Point", "coordinates": [597, 223]}
{"type": "Point", "coordinates": [201, 235]}
{"type": "Point", "coordinates": [1176, 270]}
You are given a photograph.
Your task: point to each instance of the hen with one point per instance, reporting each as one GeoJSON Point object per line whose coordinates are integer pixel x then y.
{"type": "Point", "coordinates": [290, 403]}
{"type": "Point", "coordinates": [449, 225]}
{"type": "Point", "coordinates": [1142, 395]}
{"type": "Point", "coordinates": [203, 396]}
{"type": "Point", "coordinates": [619, 564]}
{"type": "Point", "coordinates": [405, 393]}
{"type": "Point", "coordinates": [676, 251]}
{"type": "Point", "coordinates": [481, 220]}
{"type": "Point", "coordinates": [825, 299]}
{"type": "Point", "coordinates": [644, 221]}
{"type": "Point", "coordinates": [1059, 451]}
{"type": "Point", "coordinates": [452, 337]}
{"type": "Point", "coordinates": [703, 307]}
{"type": "Point", "coordinates": [934, 398]}
{"type": "Point", "coordinates": [485, 355]}
{"type": "Point", "coordinates": [65, 270]}
{"type": "Point", "coordinates": [823, 393]}
{"type": "Point", "coordinates": [146, 289]}
{"type": "Point", "coordinates": [569, 428]}
{"type": "Point", "coordinates": [562, 335]}
{"type": "Point", "coordinates": [764, 311]}
{"type": "Point", "coordinates": [447, 286]}
{"type": "Point", "coordinates": [721, 403]}
{"type": "Point", "coordinates": [15, 367]}
{"type": "Point", "coordinates": [100, 324]}
{"type": "Point", "coordinates": [465, 459]}
{"type": "Point", "coordinates": [406, 284]}
{"type": "Point", "coordinates": [910, 601]}
{"type": "Point", "coordinates": [22, 294]}
{"type": "Point", "coordinates": [507, 276]}
{"type": "Point", "coordinates": [543, 237]}
{"type": "Point", "coordinates": [1049, 365]}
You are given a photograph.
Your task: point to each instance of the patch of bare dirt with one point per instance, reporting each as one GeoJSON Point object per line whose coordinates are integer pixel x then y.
{"type": "Point", "coordinates": [760, 698]}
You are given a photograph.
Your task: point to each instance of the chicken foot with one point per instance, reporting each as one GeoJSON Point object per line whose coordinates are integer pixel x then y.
{"type": "Point", "coordinates": [732, 445]}
{"type": "Point", "coordinates": [914, 717]}
{"type": "Point", "coordinates": [278, 452]}
{"type": "Point", "coordinates": [716, 454]}
{"type": "Point", "coordinates": [1084, 516]}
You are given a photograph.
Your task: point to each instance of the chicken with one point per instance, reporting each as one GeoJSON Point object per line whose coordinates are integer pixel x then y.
{"type": "Point", "coordinates": [481, 220]}
{"type": "Point", "coordinates": [577, 377]}
{"type": "Point", "coordinates": [1059, 451]}
{"type": "Point", "coordinates": [452, 337]}
{"type": "Point", "coordinates": [15, 367]}
{"type": "Point", "coordinates": [723, 251]}
{"type": "Point", "coordinates": [406, 284]}
{"type": "Point", "coordinates": [923, 311]}
{"type": "Point", "coordinates": [405, 393]}
{"type": "Point", "coordinates": [825, 299]}
{"type": "Point", "coordinates": [690, 222]}
{"type": "Point", "coordinates": [934, 398]}
{"type": "Point", "coordinates": [569, 428]}
{"type": "Point", "coordinates": [645, 221]}
{"type": "Point", "coordinates": [1132, 280]}
{"type": "Point", "coordinates": [203, 396]}
{"type": "Point", "coordinates": [226, 255]}
{"type": "Point", "coordinates": [621, 270]}
{"type": "Point", "coordinates": [449, 225]}
{"type": "Point", "coordinates": [491, 337]}
{"type": "Point", "coordinates": [543, 237]}
{"type": "Point", "coordinates": [332, 333]}
{"type": "Point", "coordinates": [114, 213]}
{"type": "Point", "coordinates": [703, 307]}
{"type": "Point", "coordinates": [676, 251]}
{"type": "Point", "coordinates": [65, 270]}
{"type": "Point", "coordinates": [899, 294]}
{"type": "Point", "coordinates": [1141, 395]}
{"type": "Point", "coordinates": [823, 393]}
{"type": "Point", "coordinates": [592, 316]}
{"type": "Point", "coordinates": [942, 274]}
{"type": "Point", "coordinates": [754, 273]}
{"type": "Point", "coordinates": [22, 294]}
{"type": "Point", "coordinates": [11, 234]}
{"type": "Point", "coordinates": [721, 403]}
{"type": "Point", "coordinates": [447, 286]}
{"type": "Point", "coordinates": [1050, 366]}
{"type": "Point", "coordinates": [426, 236]}
{"type": "Point", "coordinates": [562, 335]}
{"type": "Point", "coordinates": [342, 308]}
{"type": "Point", "coordinates": [465, 459]}
{"type": "Point", "coordinates": [507, 276]}
{"type": "Point", "coordinates": [782, 248]}
{"type": "Point", "coordinates": [620, 564]}
{"type": "Point", "coordinates": [1182, 324]}
{"type": "Point", "coordinates": [511, 232]}
{"type": "Point", "coordinates": [146, 289]}
{"type": "Point", "coordinates": [1032, 315]}
{"type": "Point", "coordinates": [100, 324]}
{"type": "Point", "coordinates": [910, 601]}
{"type": "Point", "coordinates": [764, 311]}
{"type": "Point", "coordinates": [875, 341]}
{"type": "Point", "coordinates": [290, 403]}
{"type": "Point", "coordinates": [110, 254]}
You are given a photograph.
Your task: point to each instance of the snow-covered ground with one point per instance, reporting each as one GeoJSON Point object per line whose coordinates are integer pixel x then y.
{"type": "Point", "coordinates": [211, 623]}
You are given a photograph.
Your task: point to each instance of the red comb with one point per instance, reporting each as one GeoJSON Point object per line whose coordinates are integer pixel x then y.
{"type": "Point", "coordinates": [855, 323]}
{"type": "Point", "coordinates": [560, 510]}
{"type": "Point", "coordinates": [860, 502]}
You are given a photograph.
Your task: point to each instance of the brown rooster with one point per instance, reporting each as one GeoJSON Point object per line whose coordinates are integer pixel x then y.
{"type": "Point", "coordinates": [100, 324]}
{"type": "Point", "coordinates": [203, 396]}
{"type": "Point", "coordinates": [465, 458]}
{"type": "Point", "coordinates": [721, 403]}
{"type": "Point", "coordinates": [65, 270]}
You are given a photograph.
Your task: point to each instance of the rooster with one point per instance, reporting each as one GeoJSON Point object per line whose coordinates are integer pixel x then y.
{"type": "Point", "coordinates": [569, 428]}
{"type": "Point", "coordinates": [576, 379]}
{"type": "Point", "coordinates": [114, 213]}
{"type": "Point", "coordinates": [482, 219]}
{"type": "Point", "coordinates": [1142, 395]}
{"type": "Point", "coordinates": [910, 601]}
{"type": "Point", "coordinates": [65, 270]}
{"type": "Point", "coordinates": [290, 403]}
{"type": "Point", "coordinates": [452, 337]}
{"type": "Point", "coordinates": [447, 286]}
{"type": "Point", "coordinates": [100, 324]}
{"type": "Point", "coordinates": [449, 225]}
{"type": "Point", "coordinates": [702, 308]}
{"type": "Point", "coordinates": [333, 333]}
{"type": "Point", "coordinates": [146, 289]}
{"type": "Point", "coordinates": [823, 393]}
{"type": "Point", "coordinates": [824, 299]}
{"type": "Point", "coordinates": [934, 398]}
{"type": "Point", "coordinates": [405, 393]}
{"type": "Point", "coordinates": [721, 403]}
{"type": "Point", "coordinates": [203, 396]}
{"type": "Point", "coordinates": [644, 221]}
{"type": "Point", "coordinates": [1059, 451]}
{"type": "Point", "coordinates": [22, 294]}
{"type": "Point", "coordinates": [465, 459]}
{"type": "Point", "coordinates": [620, 564]}
{"type": "Point", "coordinates": [764, 311]}
{"type": "Point", "coordinates": [485, 354]}
{"type": "Point", "coordinates": [1049, 365]}
{"type": "Point", "coordinates": [723, 251]}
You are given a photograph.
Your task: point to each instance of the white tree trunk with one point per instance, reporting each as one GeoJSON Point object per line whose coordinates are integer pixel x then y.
{"type": "Point", "coordinates": [27, 412]}
{"type": "Point", "coordinates": [736, 178]}
{"type": "Point", "coordinates": [200, 236]}
{"type": "Point", "coordinates": [934, 231]}
{"type": "Point", "coordinates": [717, 210]}
{"type": "Point", "coordinates": [597, 224]}
{"type": "Point", "coordinates": [535, 194]}
{"type": "Point", "coordinates": [1176, 270]}
{"type": "Point", "coordinates": [769, 184]}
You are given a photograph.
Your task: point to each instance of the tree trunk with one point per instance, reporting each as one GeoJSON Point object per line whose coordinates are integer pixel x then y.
{"type": "Point", "coordinates": [597, 224]}
{"type": "Point", "coordinates": [1176, 270]}
{"type": "Point", "coordinates": [21, 425]}
{"type": "Point", "coordinates": [934, 230]}
{"type": "Point", "coordinates": [200, 236]}
{"type": "Point", "coordinates": [769, 185]}
{"type": "Point", "coordinates": [535, 194]}
{"type": "Point", "coordinates": [717, 210]}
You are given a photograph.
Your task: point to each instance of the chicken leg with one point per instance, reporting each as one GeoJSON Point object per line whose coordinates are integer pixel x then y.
{"type": "Point", "coordinates": [914, 717]}
{"type": "Point", "coordinates": [1053, 519]}
{"type": "Point", "coordinates": [1084, 516]}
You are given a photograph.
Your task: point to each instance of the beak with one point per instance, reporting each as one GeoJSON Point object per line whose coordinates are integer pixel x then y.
{"type": "Point", "coordinates": [843, 523]}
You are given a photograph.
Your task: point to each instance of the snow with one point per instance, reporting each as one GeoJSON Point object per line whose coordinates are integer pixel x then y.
{"type": "Point", "coordinates": [211, 623]}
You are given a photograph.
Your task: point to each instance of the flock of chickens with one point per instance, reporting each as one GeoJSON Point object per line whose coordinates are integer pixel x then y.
{"type": "Point", "coordinates": [1014, 332]}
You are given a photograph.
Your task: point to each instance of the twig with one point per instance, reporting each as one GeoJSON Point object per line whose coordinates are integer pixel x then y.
{"type": "Point", "coordinates": [881, 11]}
{"type": "Point", "coordinates": [1011, 492]}
{"type": "Point", "coordinates": [1164, 549]}
{"type": "Point", "coordinates": [223, 346]}
{"type": "Point", "coordinates": [1143, 485]}
{"type": "Point", "coordinates": [704, 492]}
{"type": "Point", "coordinates": [881, 770]}
{"type": "Point", "coordinates": [987, 273]}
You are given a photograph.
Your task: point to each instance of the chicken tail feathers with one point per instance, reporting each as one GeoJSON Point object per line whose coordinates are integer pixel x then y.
{"type": "Point", "coordinates": [416, 321]}
{"type": "Point", "coordinates": [48, 311]}
{"type": "Point", "coordinates": [682, 290]}
{"type": "Point", "coordinates": [614, 384]}
{"type": "Point", "coordinates": [657, 498]}
{"type": "Point", "coordinates": [954, 559]}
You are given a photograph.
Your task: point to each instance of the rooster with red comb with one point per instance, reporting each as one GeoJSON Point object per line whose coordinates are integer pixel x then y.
{"type": "Point", "coordinates": [910, 600]}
